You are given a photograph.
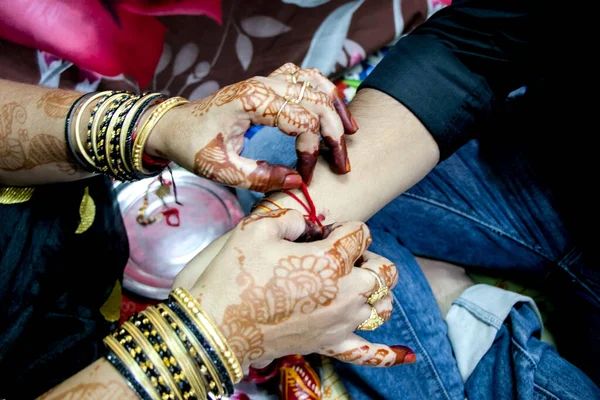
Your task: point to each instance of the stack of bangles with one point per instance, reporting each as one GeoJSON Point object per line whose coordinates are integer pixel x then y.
{"type": "Point", "coordinates": [115, 137]}
{"type": "Point", "coordinates": [174, 351]}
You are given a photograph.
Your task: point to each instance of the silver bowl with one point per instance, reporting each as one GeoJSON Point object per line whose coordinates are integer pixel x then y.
{"type": "Point", "coordinates": [157, 252]}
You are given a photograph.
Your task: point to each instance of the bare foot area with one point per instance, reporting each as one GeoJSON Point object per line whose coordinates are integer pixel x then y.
{"type": "Point", "coordinates": [447, 281]}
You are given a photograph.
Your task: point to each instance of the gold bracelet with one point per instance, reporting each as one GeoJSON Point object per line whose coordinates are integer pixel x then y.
{"type": "Point", "coordinates": [179, 354]}
{"type": "Point", "coordinates": [276, 204]}
{"type": "Point", "coordinates": [266, 209]}
{"type": "Point", "coordinates": [211, 332]}
{"type": "Point", "coordinates": [134, 369]}
{"type": "Point", "coordinates": [136, 110]}
{"type": "Point", "coordinates": [207, 369]}
{"type": "Point", "coordinates": [146, 129]}
{"type": "Point", "coordinates": [154, 358]}
{"type": "Point", "coordinates": [80, 147]}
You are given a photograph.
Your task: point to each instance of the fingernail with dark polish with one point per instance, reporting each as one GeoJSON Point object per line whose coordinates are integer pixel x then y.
{"type": "Point", "coordinates": [327, 229]}
{"type": "Point", "coordinates": [404, 355]}
{"type": "Point", "coordinates": [292, 182]}
{"type": "Point", "coordinates": [311, 233]}
{"type": "Point", "coordinates": [307, 162]}
{"type": "Point", "coordinates": [354, 124]}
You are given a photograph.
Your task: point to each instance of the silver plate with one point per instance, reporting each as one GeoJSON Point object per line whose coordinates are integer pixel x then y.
{"type": "Point", "coordinates": [157, 252]}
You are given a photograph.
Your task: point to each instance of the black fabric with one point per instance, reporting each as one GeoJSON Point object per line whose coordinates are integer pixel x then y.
{"type": "Point", "coordinates": [453, 69]}
{"type": "Point", "coordinates": [53, 283]}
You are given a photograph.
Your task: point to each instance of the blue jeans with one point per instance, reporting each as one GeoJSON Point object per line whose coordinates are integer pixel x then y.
{"type": "Point", "coordinates": [487, 212]}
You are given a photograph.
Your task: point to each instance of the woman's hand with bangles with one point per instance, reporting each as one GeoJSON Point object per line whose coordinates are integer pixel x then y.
{"type": "Point", "coordinates": [207, 136]}
{"type": "Point", "coordinates": [272, 296]}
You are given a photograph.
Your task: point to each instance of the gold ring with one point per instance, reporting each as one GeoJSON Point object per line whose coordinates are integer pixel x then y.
{"type": "Point", "coordinates": [276, 204]}
{"type": "Point", "coordinates": [294, 77]}
{"type": "Point", "coordinates": [300, 96]}
{"type": "Point", "coordinates": [381, 291]}
{"type": "Point", "coordinates": [276, 123]}
{"type": "Point", "coordinates": [373, 322]}
{"type": "Point", "coordinates": [261, 207]}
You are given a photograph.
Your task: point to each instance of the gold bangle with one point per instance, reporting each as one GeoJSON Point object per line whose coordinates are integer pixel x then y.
{"type": "Point", "coordinates": [80, 147]}
{"type": "Point", "coordinates": [179, 353]}
{"type": "Point", "coordinates": [212, 333]}
{"type": "Point", "coordinates": [109, 147]}
{"type": "Point", "coordinates": [207, 369]}
{"type": "Point", "coordinates": [154, 358]}
{"type": "Point", "coordinates": [97, 119]}
{"type": "Point", "coordinates": [146, 129]}
{"type": "Point", "coordinates": [276, 204]}
{"type": "Point", "coordinates": [131, 114]}
{"type": "Point", "coordinates": [129, 363]}
{"type": "Point", "coordinates": [267, 209]}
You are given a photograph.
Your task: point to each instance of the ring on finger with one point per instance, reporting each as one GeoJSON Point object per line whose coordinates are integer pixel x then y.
{"type": "Point", "coordinates": [276, 122]}
{"type": "Point", "coordinates": [381, 291]}
{"type": "Point", "coordinates": [300, 95]}
{"type": "Point", "coordinates": [373, 322]}
{"type": "Point", "coordinates": [294, 77]}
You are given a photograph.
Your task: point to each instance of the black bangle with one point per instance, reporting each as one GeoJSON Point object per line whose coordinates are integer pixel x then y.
{"type": "Point", "coordinates": [146, 327]}
{"type": "Point", "coordinates": [89, 149]}
{"type": "Point", "coordinates": [210, 351]}
{"type": "Point", "coordinates": [101, 161]}
{"type": "Point", "coordinates": [116, 362]}
{"type": "Point", "coordinates": [74, 155]}
{"type": "Point", "coordinates": [116, 152]}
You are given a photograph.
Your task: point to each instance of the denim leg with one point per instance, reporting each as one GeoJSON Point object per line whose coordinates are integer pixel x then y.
{"type": "Point", "coordinates": [496, 338]}
{"type": "Point", "coordinates": [416, 322]}
{"type": "Point", "coordinates": [486, 209]}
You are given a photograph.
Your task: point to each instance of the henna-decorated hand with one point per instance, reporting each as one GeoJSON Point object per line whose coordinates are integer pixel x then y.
{"type": "Point", "coordinates": [207, 136]}
{"type": "Point", "coordinates": [272, 297]}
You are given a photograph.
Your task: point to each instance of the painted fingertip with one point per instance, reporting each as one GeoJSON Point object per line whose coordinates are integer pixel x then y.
{"type": "Point", "coordinates": [306, 164]}
{"type": "Point", "coordinates": [354, 125]}
{"type": "Point", "coordinates": [292, 182]}
{"type": "Point", "coordinates": [404, 355]}
{"type": "Point", "coordinates": [327, 229]}
{"type": "Point", "coordinates": [312, 232]}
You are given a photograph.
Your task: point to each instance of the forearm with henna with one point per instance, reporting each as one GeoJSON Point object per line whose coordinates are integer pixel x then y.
{"type": "Point", "coordinates": [99, 381]}
{"type": "Point", "coordinates": [391, 152]}
{"type": "Point", "coordinates": [32, 140]}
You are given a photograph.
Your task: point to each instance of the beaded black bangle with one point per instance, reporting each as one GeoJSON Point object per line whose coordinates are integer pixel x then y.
{"type": "Point", "coordinates": [115, 147]}
{"type": "Point", "coordinates": [80, 161]}
{"type": "Point", "coordinates": [118, 364]}
{"type": "Point", "coordinates": [210, 351]}
{"type": "Point", "coordinates": [132, 127]}
{"type": "Point", "coordinates": [183, 334]}
{"type": "Point", "coordinates": [89, 149]}
{"type": "Point", "coordinates": [132, 347]}
{"type": "Point", "coordinates": [101, 134]}
{"type": "Point", "coordinates": [150, 332]}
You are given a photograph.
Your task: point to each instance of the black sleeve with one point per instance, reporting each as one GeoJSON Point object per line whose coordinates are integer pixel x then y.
{"type": "Point", "coordinates": [452, 69]}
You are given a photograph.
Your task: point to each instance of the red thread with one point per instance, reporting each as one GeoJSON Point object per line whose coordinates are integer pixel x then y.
{"type": "Point", "coordinates": [310, 208]}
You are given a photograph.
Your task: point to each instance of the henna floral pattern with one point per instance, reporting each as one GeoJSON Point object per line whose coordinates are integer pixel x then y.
{"type": "Point", "coordinates": [301, 284]}
{"type": "Point", "coordinates": [257, 217]}
{"type": "Point", "coordinates": [93, 391]}
{"type": "Point", "coordinates": [56, 103]}
{"type": "Point", "coordinates": [20, 152]}
{"type": "Point", "coordinates": [213, 162]}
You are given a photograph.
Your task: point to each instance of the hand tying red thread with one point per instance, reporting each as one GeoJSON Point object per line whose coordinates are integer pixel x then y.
{"type": "Point", "coordinates": [310, 207]}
